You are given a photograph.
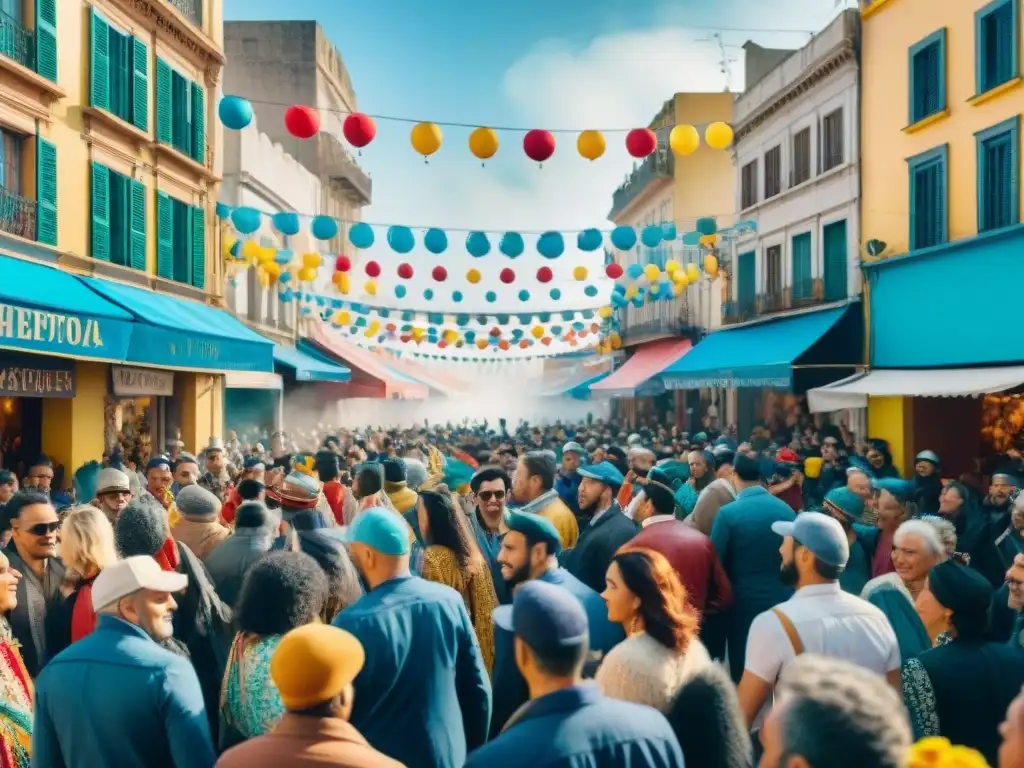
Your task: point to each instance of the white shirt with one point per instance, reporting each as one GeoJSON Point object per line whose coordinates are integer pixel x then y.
{"type": "Point", "coordinates": [654, 520]}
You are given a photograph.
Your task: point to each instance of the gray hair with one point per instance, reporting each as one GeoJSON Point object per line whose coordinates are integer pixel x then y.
{"type": "Point", "coordinates": [930, 533]}
{"type": "Point", "coordinates": [838, 714]}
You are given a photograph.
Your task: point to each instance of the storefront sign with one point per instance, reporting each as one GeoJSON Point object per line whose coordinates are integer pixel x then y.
{"type": "Point", "coordinates": [81, 336]}
{"type": "Point", "coordinates": [134, 382]}
{"type": "Point", "coordinates": [29, 376]}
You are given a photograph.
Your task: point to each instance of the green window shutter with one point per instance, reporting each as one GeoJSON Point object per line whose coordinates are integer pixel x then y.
{"type": "Point", "coordinates": [834, 260]}
{"type": "Point", "coordinates": [198, 123]}
{"type": "Point", "coordinates": [746, 277]}
{"type": "Point", "coordinates": [801, 255]}
{"type": "Point", "coordinates": [46, 39]}
{"type": "Point", "coordinates": [100, 212]}
{"type": "Point", "coordinates": [140, 85]}
{"type": "Point", "coordinates": [137, 219]}
{"type": "Point", "coordinates": [99, 62]}
{"type": "Point", "coordinates": [163, 102]}
{"type": "Point", "coordinates": [46, 192]}
{"type": "Point", "coordinates": [164, 236]}
{"type": "Point", "coordinates": [198, 218]}
{"type": "Point", "coordinates": [180, 124]}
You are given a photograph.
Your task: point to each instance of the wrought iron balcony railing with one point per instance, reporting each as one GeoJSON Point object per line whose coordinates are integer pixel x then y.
{"type": "Point", "coordinates": [17, 215]}
{"type": "Point", "coordinates": [16, 42]}
{"type": "Point", "coordinates": [804, 293]}
{"type": "Point", "coordinates": [653, 320]}
{"type": "Point", "coordinates": [660, 165]}
{"type": "Point", "coordinates": [190, 9]}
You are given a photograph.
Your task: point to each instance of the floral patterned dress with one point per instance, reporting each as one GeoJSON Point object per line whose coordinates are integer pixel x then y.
{"type": "Point", "coordinates": [250, 704]}
{"type": "Point", "coordinates": [16, 694]}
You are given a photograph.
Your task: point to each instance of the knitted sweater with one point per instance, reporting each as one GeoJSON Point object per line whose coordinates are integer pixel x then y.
{"type": "Point", "coordinates": [642, 670]}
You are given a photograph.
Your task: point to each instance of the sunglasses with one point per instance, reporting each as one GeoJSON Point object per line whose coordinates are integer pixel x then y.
{"type": "Point", "coordinates": [42, 529]}
{"type": "Point", "coordinates": [488, 495]}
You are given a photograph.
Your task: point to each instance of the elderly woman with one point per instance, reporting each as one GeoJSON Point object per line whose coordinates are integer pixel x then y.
{"type": "Point", "coordinates": [893, 505]}
{"type": "Point", "coordinates": [918, 546]}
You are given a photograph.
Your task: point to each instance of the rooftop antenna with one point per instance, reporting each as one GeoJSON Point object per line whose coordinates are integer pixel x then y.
{"type": "Point", "coordinates": [724, 60]}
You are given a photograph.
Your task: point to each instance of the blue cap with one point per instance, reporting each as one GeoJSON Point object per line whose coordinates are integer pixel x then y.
{"type": "Point", "coordinates": [821, 534]}
{"type": "Point", "coordinates": [379, 529]}
{"type": "Point", "coordinates": [902, 490]}
{"type": "Point", "coordinates": [536, 528]}
{"type": "Point", "coordinates": [846, 502]}
{"type": "Point", "coordinates": [546, 616]}
{"type": "Point", "coordinates": [858, 464]}
{"type": "Point", "coordinates": [604, 472]}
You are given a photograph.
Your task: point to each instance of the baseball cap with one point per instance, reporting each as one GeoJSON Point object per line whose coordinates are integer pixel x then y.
{"type": "Point", "coordinates": [573, 447]}
{"type": "Point", "coordinates": [820, 533]}
{"type": "Point", "coordinates": [379, 529]}
{"type": "Point", "coordinates": [128, 576]}
{"type": "Point", "coordinates": [314, 663]}
{"type": "Point", "coordinates": [546, 616]}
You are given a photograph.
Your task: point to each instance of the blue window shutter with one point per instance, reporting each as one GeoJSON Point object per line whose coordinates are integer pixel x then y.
{"type": "Point", "coordinates": [998, 164]}
{"type": "Point", "coordinates": [46, 192]}
{"type": "Point", "coordinates": [99, 62]}
{"type": "Point", "coordinates": [100, 212]}
{"type": "Point", "coordinates": [140, 85]}
{"type": "Point", "coordinates": [137, 218]}
{"type": "Point", "coordinates": [199, 247]}
{"type": "Point", "coordinates": [834, 260]}
{"type": "Point", "coordinates": [996, 44]}
{"type": "Point", "coordinates": [746, 279]}
{"type": "Point", "coordinates": [801, 254]}
{"type": "Point", "coordinates": [164, 120]}
{"type": "Point", "coordinates": [180, 126]}
{"type": "Point", "coordinates": [46, 39]}
{"type": "Point", "coordinates": [198, 96]}
{"type": "Point", "coordinates": [164, 236]}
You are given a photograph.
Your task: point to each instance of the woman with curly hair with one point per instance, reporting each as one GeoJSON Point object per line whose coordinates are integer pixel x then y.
{"type": "Point", "coordinates": [661, 651]}
{"type": "Point", "coordinates": [452, 557]}
{"type": "Point", "coordinates": [282, 591]}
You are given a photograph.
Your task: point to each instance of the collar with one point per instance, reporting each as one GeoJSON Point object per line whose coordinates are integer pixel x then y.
{"type": "Point", "coordinates": [392, 583]}
{"type": "Point", "coordinates": [482, 524]}
{"type": "Point", "coordinates": [657, 519]}
{"type": "Point", "coordinates": [754, 490]}
{"type": "Point", "coordinates": [540, 502]}
{"type": "Point", "coordinates": [331, 728]}
{"type": "Point", "coordinates": [110, 623]}
{"type": "Point", "coordinates": [554, 575]}
{"type": "Point", "coordinates": [817, 590]}
{"type": "Point", "coordinates": [564, 701]}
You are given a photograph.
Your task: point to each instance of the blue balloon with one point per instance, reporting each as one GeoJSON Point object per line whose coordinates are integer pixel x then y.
{"type": "Point", "coordinates": [284, 256]}
{"type": "Point", "coordinates": [287, 296]}
{"type": "Point", "coordinates": [361, 322]}
{"type": "Point", "coordinates": [556, 330]}
{"type": "Point", "coordinates": [223, 211]}
{"type": "Point", "coordinates": [551, 245]}
{"type": "Point", "coordinates": [482, 319]}
{"type": "Point", "coordinates": [435, 317]}
{"type": "Point", "coordinates": [283, 279]}
{"type": "Point", "coordinates": [477, 244]}
{"type": "Point", "coordinates": [462, 319]}
{"type": "Point", "coordinates": [668, 231]}
{"type": "Point", "coordinates": [324, 227]}
{"type": "Point", "coordinates": [470, 336]}
{"type": "Point", "coordinates": [286, 222]}
{"type": "Point", "coordinates": [234, 112]}
{"type": "Point", "coordinates": [691, 238]}
{"type": "Point", "coordinates": [706, 225]}
{"type": "Point", "coordinates": [634, 271]}
{"type": "Point", "coordinates": [623, 238]}
{"type": "Point", "coordinates": [618, 300]}
{"type": "Point", "coordinates": [408, 316]}
{"type": "Point", "coordinates": [577, 326]}
{"type": "Point", "coordinates": [400, 291]}
{"type": "Point", "coordinates": [589, 240]}
{"type": "Point", "coordinates": [619, 288]}
{"type": "Point", "coordinates": [435, 241]}
{"type": "Point", "coordinates": [246, 220]}
{"type": "Point", "coordinates": [401, 239]}
{"type": "Point", "coordinates": [491, 296]}
{"type": "Point", "coordinates": [456, 296]}
{"type": "Point", "coordinates": [512, 245]}
{"type": "Point", "coordinates": [638, 301]}
{"type": "Point", "coordinates": [360, 235]}
{"type": "Point", "coordinates": [428, 294]}
{"type": "Point", "coordinates": [651, 236]}
{"type": "Point", "coordinates": [524, 295]}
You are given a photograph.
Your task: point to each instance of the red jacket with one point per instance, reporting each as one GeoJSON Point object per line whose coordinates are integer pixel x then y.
{"type": "Point", "coordinates": [335, 492]}
{"type": "Point", "coordinates": [694, 559]}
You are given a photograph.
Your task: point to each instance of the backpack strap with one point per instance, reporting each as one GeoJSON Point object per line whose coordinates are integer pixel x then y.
{"type": "Point", "coordinates": [791, 633]}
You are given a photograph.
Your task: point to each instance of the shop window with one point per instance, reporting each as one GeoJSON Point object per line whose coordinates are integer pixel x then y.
{"type": "Point", "coordinates": [801, 171]}
{"type": "Point", "coordinates": [748, 184]}
{"type": "Point", "coordinates": [803, 285]}
{"type": "Point", "coordinates": [929, 198]}
{"type": "Point", "coordinates": [180, 112]}
{"type": "Point", "coordinates": [118, 218]}
{"type": "Point", "coordinates": [927, 77]}
{"type": "Point", "coordinates": [181, 241]}
{"type": "Point", "coordinates": [832, 140]}
{"type": "Point", "coordinates": [996, 44]}
{"type": "Point", "coordinates": [119, 73]}
{"type": "Point", "coordinates": [999, 175]}
{"type": "Point", "coordinates": [772, 172]}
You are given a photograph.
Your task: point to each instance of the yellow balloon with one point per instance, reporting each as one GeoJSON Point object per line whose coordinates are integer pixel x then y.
{"type": "Point", "coordinates": [631, 292]}
{"type": "Point", "coordinates": [711, 265]}
{"type": "Point", "coordinates": [680, 277]}
{"type": "Point", "coordinates": [672, 266]}
{"type": "Point", "coordinates": [426, 138]}
{"type": "Point", "coordinates": [580, 273]}
{"type": "Point", "coordinates": [251, 250]}
{"type": "Point", "coordinates": [709, 241]}
{"type": "Point", "coordinates": [616, 340]}
{"type": "Point", "coordinates": [343, 283]}
{"type": "Point", "coordinates": [604, 313]}
{"type": "Point", "coordinates": [312, 260]}
{"type": "Point", "coordinates": [267, 254]}
{"type": "Point", "coordinates": [651, 272]}
{"type": "Point", "coordinates": [481, 343]}
{"type": "Point", "coordinates": [368, 333]}
{"type": "Point", "coordinates": [483, 143]}
{"type": "Point", "coordinates": [306, 275]}
{"type": "Point", "coordinates": [718, 135]}
{"type": "Point", "coordinates": [341, 317]}
{"type": "Point", "coordinates": [370, 288]}
{"type": "Point", "coordinates": [473, 276]}
{"type": "Point", "coordinates": [374, 328]}
{"type": "Point", "coordinates": [692, 273]}
{"type": "Point", "coordinates": [227, 245]}
{"type": "Point", "coordinates": [451, 336]}
{"type": "Point", "coordinates": [273, 270]}
{"type": "Point", "coordinates": [678, 288]}
{"type": "Point", "coordinates": [590, 144]}
{"type": "Point", "coordinates": [537, 331]}
{"type": "Point", "coordinates": [684, 140]}
{"type": "Point", "coordinates": [417, 333]}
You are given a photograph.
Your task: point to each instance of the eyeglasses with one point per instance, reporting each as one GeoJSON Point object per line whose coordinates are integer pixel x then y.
{"type": "Point", "coordinates": [488, 495]}
{"type": "Point", "coordinates": [42, 529]}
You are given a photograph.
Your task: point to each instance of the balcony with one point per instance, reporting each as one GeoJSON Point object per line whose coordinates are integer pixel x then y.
{"type": "Point", "coordinates": [656, 168]}
{"type": "Point", "coordinates": [190, 9]}
{"type": "Point", "coordinates": [336, 163]}
{"type": "Point", "coordinates": [657, 320]}
{"type": "Point", "coordinates": [806, 293]}
{"type": "Point", "coordinates": [17, 215]}
{"type": "Point", "coordinates": [16, 42]}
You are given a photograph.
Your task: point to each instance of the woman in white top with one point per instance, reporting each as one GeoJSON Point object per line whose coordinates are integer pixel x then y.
{"type": "Point", "coordinates": [661, 650]}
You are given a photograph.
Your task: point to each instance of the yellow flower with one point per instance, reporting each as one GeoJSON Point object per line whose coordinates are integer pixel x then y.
{"type": "Point", "coordinates": [937, 752]}
{"type": "Point", "coordinates": [962, 757]}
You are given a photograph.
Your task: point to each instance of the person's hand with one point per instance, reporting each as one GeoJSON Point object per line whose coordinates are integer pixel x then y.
{"type": "Point", "coordinates": [798, 477]}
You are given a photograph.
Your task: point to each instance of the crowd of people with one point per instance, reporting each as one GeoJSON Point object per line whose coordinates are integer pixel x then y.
{"type": "Point", "coordinates": [474, 595]}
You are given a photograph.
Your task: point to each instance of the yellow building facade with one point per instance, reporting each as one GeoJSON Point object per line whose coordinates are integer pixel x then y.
{"type": "Point", "coordinates": [110, 138]}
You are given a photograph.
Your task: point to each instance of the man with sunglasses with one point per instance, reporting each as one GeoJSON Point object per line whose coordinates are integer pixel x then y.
{"type": "Point", "coordinates": [490, 487]}
{"type": "Point", "coordinates": [32, 552]}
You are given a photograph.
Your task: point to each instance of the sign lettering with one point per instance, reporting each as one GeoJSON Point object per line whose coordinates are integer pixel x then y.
{"type": "Point", "coordinates": [167, 25]}
{"type": "Point", "coordinates": [45, 379]}
{"type": "Point", "coordinates": [24, 324]}
{"type": "Point", "coordinates": [131, 382]}
{"type": "Point", "coordinates": [208, 351]}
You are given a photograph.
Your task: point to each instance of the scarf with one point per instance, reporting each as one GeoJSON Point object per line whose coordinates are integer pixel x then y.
{"type": "Point", "coordinates": [534, 507]}
{"type": "Point", "coordinates": [249, 701]}
{"type": "Point", "coordinates": [168, 555]}
{"type": "Point", "coordinates": [83, 617]}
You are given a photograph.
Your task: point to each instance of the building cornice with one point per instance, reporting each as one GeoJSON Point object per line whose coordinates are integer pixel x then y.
{"type": "Point", "coordinates": [812, 77]}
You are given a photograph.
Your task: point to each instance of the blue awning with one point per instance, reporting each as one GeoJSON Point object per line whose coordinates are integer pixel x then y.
{"type": "Point", "coordinates": [757, 355]}
{"type": "Point", "coordinates": [48, 311]}
{"type": "Point", "coordinates": [178, 333]}
{"type": "Point", "coordinates": [307, 367]}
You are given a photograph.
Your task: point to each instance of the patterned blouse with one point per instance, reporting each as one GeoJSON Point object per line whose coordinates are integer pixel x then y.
{"type": "Point", "coordinates": [441, 566]}
{"type": "Point", "coordinates": [919, 696]}
{"type": "Point", "coordinates": [16, 694]}
{"type": "Point", "coordinates": [249, 701]}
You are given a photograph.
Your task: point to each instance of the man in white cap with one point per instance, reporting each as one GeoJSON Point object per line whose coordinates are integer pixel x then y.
{"type": "Point", "coordinates": [116, 697]}
{"type": "Point", "coordinates": [113, 492]}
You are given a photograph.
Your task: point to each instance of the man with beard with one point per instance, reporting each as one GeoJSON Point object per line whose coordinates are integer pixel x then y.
{"type": "Point", "coordinates": [820, 618]}
{"type": "Point", "coordinates": [530, 551]}
{"type": "Point", "coordinates": [607, 530]}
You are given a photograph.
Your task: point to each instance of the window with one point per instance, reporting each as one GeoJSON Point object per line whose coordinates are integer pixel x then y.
{"type": "Point", "coordinates": [10, 162]}
{"type": "Point", "coordinates": [801, 171]}
{"type": "Point", "coordinates": [929, 198]}
{"type": "Point", "coordinates": [832, 140]}
{"type": "Point", "coordinates": [118, 218]}
{"type": "Point", "coordinates": [772, 172]}
{"type": "Point", "coordinates": [119, 73]}
{"type": "Point", "coordinates": [803, 287]}
{"type": "Point", "coordinates": [927, 77]}
{"type": "Point", "coordinates": [833, 238]}
{"type": "Point", "coordinates": [999, 175]}
{"type": "Point", "coordinates": [181, 241]}
{"type": "Point", "coordinates": [996, 43]}
{"type": "Point", "coordinates": [180, 112]}
{"type": "Point", "coordinates": [773, 270]}
{"type": "Point", "coordinates": [748, 181]}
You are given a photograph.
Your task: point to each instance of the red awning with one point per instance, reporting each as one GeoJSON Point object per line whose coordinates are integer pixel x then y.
{"type": "Point", "coordinates": [371, 374]}
{"type": "Point", "coordinates": [647, 362]}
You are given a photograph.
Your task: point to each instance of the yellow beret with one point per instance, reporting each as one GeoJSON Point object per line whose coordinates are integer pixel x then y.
{"type": "Point", "coordinates": [315, 663]}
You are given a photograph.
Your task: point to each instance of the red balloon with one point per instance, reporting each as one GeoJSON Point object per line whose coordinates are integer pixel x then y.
{"type": "Point", "coordinates": [507, 276]}
{"type": "Point", "coordinates": [613, 270]}
{"type": "Point", "coordinates": [495, 332]}
{"type": "Point", "coordinates": [440, 274]}
{"type": "Point", "coordinates": [342, 264]}
{"type": "Point", "coordinates": [524, 344]}
{"type": "Point", "coordinates": [545, 275]}
{"type": "Point", "coordinates": [503, 344]}
{"type": "Point", "coordinates": [373, 269]}
{"type": "Point", "coordinates": [594, 327]}
{"type": "Point", "coordinates": [405, 271]}
{"type": "Point", "coordinates": [359, 129]}
{"type": "Point", "coordinates": [404, 338]}
{"type": "Point", "coordinates": [442, 344]}
{"type": "Point", "coordinates": [539, 145]}
{"type": "Point", "coordinates": [302, 122]}
{"type": "Point", "coordinates": [391, 327]}
{"type": "Point", "coordinates": [640, 142]}
{"type": "Point", "coordinates": [546, 341]}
